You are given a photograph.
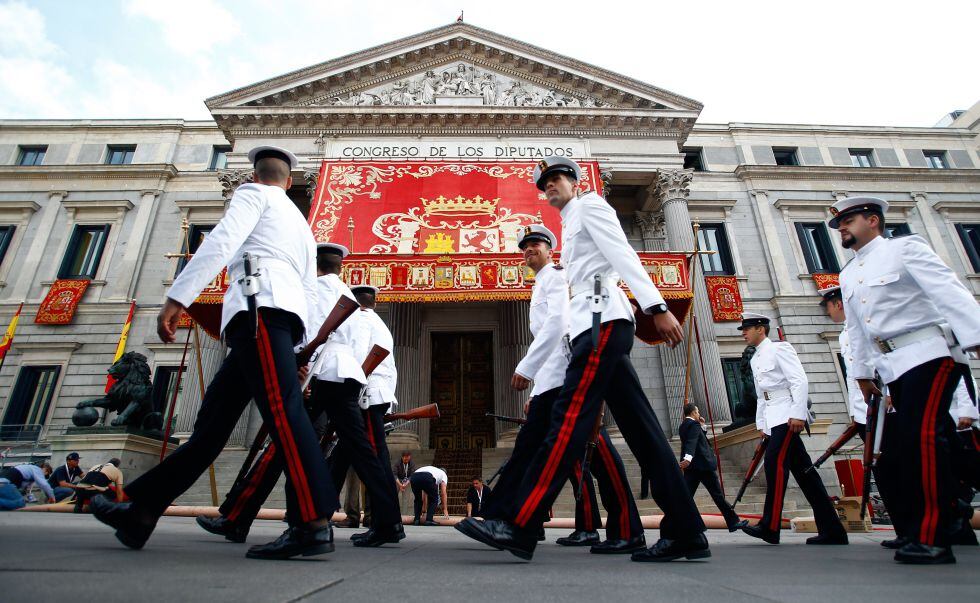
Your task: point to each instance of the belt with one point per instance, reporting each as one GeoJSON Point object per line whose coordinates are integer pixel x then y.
{"type": "Point", "coordinates": [900, 341]}
{"type": "Point", "coordinates": [236, 270]}
{"type": "Point", "coordinates": [777, 393]}
{"type": "Point", "coordinates": [589, 286]}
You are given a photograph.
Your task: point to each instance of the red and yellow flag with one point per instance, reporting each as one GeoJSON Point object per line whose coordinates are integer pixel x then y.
{"type": "Point", "coordinates": [121, 346]}
{"type": "Point", "coordinates": [8, 337]}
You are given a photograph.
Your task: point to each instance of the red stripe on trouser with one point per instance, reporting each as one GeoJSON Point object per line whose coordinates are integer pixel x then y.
{"type": "Point", "coordinates": [606, 455]}
{"type": "Point", "coordinates": [297, 476]}
{"type": "Point", "coordinates": [565, 432]}
{"type": "Point", "coordinates": [976, 443]}
{"type": "Point", "coordinates": [253, 482]}
{"type": "Point", "coordinates": [370, 432]}
{"type": "Point", "coordinates": [780, 486]}
{"type": "Point", "coordinates": [927, 447]}
{"type": "Point", "coordinates": [586, 499]}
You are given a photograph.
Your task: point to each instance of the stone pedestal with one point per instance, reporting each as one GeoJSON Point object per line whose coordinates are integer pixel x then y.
{"type": "Point", "coordinates": [137, 453]}
{"type": "Point", "coordinates": [506, 439]}
{"type": "Point", "coordinates": [402, 440]}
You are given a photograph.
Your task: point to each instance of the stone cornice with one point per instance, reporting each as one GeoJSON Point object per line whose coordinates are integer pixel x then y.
{"type": "Point", "coordinates": [24, 206]}
{"type": "Point", "coordinates": [442, 42]}
{"type": "Point", "coordinates": [878, 174]}
{"type": "Point", "coordinates": [117, 204]}
{"type": "Point", "coordinates": [833, 130]}
{"type": "Point", "coordinates": [163, 171]}
{"type": "Point", "coordinates": [790, 203]}
{"type": "Point", "coordinates": [954, 206]}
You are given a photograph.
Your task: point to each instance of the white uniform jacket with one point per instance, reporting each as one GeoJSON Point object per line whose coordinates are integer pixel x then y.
{"type": "Point", "coordinates": [260, 220]}
{"type": "Point", "coordinates": [336, 362]}
{"type": "Point", "coordinates": [369, 331]}
{"type": "Point", "coordinates": [546, 359]}
{"type": "Point", "coordinates": [963, 405]}
{"type": "Point", "coordinates": [896, 286]}
{"type": "Point", "coordinates": [779, 376]}
{"type": "Point", "coordinates": [593, 243]}
{"type": "Point", "coordinates": [857, 408]}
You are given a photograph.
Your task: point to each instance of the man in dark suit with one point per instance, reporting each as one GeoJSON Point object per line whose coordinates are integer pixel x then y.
{"type": "Point", "coordinates": [699, 465]}
{"type": "Point", "coordinates": [474, 497]}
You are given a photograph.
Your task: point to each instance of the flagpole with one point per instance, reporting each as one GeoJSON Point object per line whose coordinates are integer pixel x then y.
{"type": "Point", "coordinates": [11, 342]}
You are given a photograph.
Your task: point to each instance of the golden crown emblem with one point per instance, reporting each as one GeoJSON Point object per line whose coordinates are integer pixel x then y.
{"type": "Point", "coordinates": [459, 206]}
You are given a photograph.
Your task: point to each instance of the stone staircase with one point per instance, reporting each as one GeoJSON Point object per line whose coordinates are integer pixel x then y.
{"type": "Point", "coordinates": [460, 467]}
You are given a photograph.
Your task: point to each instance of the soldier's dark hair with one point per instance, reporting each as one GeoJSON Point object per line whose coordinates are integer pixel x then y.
{"type": "Point", "coordinates": [365, 297]}
{"type": "Point", "coordinates": [881, 219]}
{"type": "Point", "coordinates": [834, 296]}
{"type": "Point", "coordinates": [271, 170]}
{"type": "Point", "coordinates": [115, 462]}
{"type": "Point", "coordinates": [689, 408]}
{"type": "Point", "coordinates": [476, 478]}
{"type": "Point", "coordinates": [328, 263]}
{"type": "Point", "coordinates": [766, 329]}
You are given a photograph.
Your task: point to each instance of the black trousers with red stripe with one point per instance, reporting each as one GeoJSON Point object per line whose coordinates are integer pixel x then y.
{"type": "Point", "coordinates": [885, 472]}
{"type": "Point", "coordinates": [360, 447]}
{"type": "Point", "coordinates": [593, 376]}
{"type": "Point", "coordinates": [707, 477]}
{"type": "Point", "coordinates": [784, 454]}
{"type": "Point", "coordinates": [262, 368]}
{"type": "Point", "coordinates": [924, 437]}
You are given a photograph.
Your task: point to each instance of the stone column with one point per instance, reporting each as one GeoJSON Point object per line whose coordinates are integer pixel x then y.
{"type": "Point", "coordinates": [28, 270]}
{"type": "Point", "coordinates": [651, 226]}
{"type": "Point", "coordinates": [672, 190]}
{"type": "Point", "coordinates": [515, 338]}
{"type": "Point", "coordinates": [406, 330]}
{"type": "Point", "coordinates": [932, 228]}
{"type": "Point", "coordinates": [136, 242]}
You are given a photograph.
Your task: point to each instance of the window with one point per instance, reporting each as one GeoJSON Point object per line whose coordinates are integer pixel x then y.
{"type": "Point", "coordinates": [196, 237]}
{"type": "Point", "coordinates": [31, 155]}
{"type": "Point", "coordinates": [219, 158]}
{"type": "Point", "coordinates": [119, 155]}
{"type": "Point", "coordinates": [970, 235]}
{"type": "Point", "coordinates": [817, 249]}
{"type": "Point", "coordinates": [936, 159]}
{"type": "Point", "coordinates": [6, 234]}
{"type": "Point", "coordinates": [84, 251]}
{"type": "Point", "coordinates": [164, 382]}
{"type": "Point", "coordinates": [735, 387]}
{"type": "Point", "coordinates": [861, 158]}
{"type": "Point", "coordinates": [894, 230]}
{"type": "Point", "coordinates": [29, 403]}
{"type": "Point", "coordinates": [712, 237]}
{"type": "Point", "coordinates": [785, 156]}
{"type": "Point", "coordinates": [692, 159]}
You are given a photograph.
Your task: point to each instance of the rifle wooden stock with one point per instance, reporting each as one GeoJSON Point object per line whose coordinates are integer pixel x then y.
{"type": "Point", "coordinates": [429, 411]}
{"type": "Point", "coordinates": [874, 415]}
{"type": "Point", "coordinates": [506, 419]}
{"type": "Point", "coordinates": [374, 358]}
{"type": "Point", "coordinates": [253, 451]}
{"type": "Point", "coordinates": [844, 438]}
{"type": "Point", "coordinates": [760, 451]}
{"type": "Point", "coordinates": [341, 311]}
{"type": "Point", "coordinates": [590, 447]}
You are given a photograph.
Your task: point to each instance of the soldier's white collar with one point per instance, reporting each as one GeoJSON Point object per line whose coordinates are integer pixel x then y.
{"type": "Point", "coordinates": [763, 343]}
{"type": "Point", "coordinates": [871, 246]}
{"type": "Point", "coordinates": [573, 201]}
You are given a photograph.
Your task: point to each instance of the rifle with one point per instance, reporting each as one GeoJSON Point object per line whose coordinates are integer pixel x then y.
{"type": "Point", "coordinates": [590, 449]}
{"type": "Point", "coordinates": [374, 359]}
{"type": "Point", "coordinates": [429, 411]}
{"type": "Point", "coordinates": [754, 467]}
{"type": "Point", "coordinates": [506, 419]}
{"type": "Point", "coordinates": [849, 433]}
{"type": "Point", "coordinates": [253, 451]}
{"type": "Point", "coordinates": [341, 311]}
{"type": "Point", "coordinates": [871, 445]}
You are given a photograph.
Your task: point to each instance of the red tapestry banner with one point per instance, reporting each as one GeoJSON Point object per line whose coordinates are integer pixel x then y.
{"type": "Point", "coordinates": [726, 300]}
{"type": "Point", "coordinates": [432, 207]}
{"type": "Point", "coordinates": [206, 309]}
{"type": "Point", "coordinates": [58, 307]}
{"type": "Point", "coordinates": [822, 281]}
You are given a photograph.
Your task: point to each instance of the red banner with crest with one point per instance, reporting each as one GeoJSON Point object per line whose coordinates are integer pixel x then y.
{"type": "Point", "coordinates": [822, 281]}
{"type": "Point", "coordinates": [726, 299]}
{"type": "Point", "coordinates": [58, 307]}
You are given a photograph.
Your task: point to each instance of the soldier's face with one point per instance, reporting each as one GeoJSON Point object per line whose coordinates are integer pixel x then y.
{"type": "Point", "coordinates": [536, 255]}
{"type": "Point", "coordinates": [753, 335]}
{"type": "Point", "coordinates": [835, 310]}
{"type": "Point", "coordinates": [559, 190]}
{"type": "Point", "coordinates": [856, 230]}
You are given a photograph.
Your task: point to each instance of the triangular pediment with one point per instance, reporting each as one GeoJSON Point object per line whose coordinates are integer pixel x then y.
{"type": "Point", "coordinates": [423, 70]}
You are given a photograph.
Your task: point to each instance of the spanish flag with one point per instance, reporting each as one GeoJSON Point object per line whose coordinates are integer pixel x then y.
{"type": "Point", "coordinates": [8, 337]}
{"type": "Point", "coordinates": [121, 346]}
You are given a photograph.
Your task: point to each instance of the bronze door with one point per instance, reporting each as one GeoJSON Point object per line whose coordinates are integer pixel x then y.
{"type": "Point", "coordinates": [462, 385]}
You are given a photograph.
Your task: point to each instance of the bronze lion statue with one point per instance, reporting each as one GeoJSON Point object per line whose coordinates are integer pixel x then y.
{"type": "Point", "coordinates": [131, 396]}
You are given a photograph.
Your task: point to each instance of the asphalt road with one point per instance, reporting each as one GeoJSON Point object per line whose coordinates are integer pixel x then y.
{"type": "Point", "coordinates": [56, 557]}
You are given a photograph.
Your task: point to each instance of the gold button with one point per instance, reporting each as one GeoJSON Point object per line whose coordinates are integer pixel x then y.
{"type": "Point", "coordinates": [860, 263]}
{"type": "Point", "coordinates": [860, 280]}
{"type": "Point", "coordinates": [864, 301]}
{"type": "Point", "coordinates": [867, 320]}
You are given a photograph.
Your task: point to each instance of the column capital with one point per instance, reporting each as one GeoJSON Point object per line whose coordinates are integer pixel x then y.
{"type": "Point", "coordinates": [607, 177]}
{"type": "Point", "coordinates": [916, 195]}
{"type": "Point", "coordinates": [312, 177]}
{"type": "Point", "coordinates": [59, 194]}
{"type": "Point", "coordinates": [151, 192]}
{"type": "Point", "coordinates": [232, 179]}
{"type": "Point", "coordinates": [839, 195]}
{"type": "Point", "coordinates": [673, 185]}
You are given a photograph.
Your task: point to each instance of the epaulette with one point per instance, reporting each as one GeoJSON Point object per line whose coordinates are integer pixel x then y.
{"type": "Point", "coordinates": [559, 267]}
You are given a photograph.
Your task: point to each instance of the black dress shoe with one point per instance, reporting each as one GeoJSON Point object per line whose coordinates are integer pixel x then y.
{"type": "Point", "coordinates": [295, 541]}
{"type": "Point", "coordinates": [917, 553]}
{"type": "Point", "coordinates": [541, 535]}
{"type": "Point", "coordinates": [828, 539]}
{"type": "Point", "coordinates": [695, 547]}
{"type": "Point", "coordinates": [762, 533]}
{"type": "Point", "coordinates": [501, 535]}
{"type": "Point", "coordinates": [965, 536]}
{"type": "Point", "coordinates": [618, 547]}
{"type": "Point", "coordinates": [466, 527]}
{"type": "Point", "coordinates": [374, 538]}
{"type": "Point", "coordinates": [738, 525]}
{"type": "Point", "coordinates": [395, 534]}
{"type": "Point", "coordinates": [223, 527]}
{"type": "Point", "coordinates": [579, 538]}
{"type": "Point", "coordinates": [429, 522]}
{"type": "Point", "coordinates": [131, 530]}
{"type": "Point", "coordinates": [895, 543]}
{"type": "Point", "coordinates": [416, 522]}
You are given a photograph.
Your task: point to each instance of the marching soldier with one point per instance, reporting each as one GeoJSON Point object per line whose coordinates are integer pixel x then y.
{"type": "Point", "coordinates": [781, 386]}
{"type": "Point", "coordinates": [263, 319]}
{"type": "Point", "coordinates": [915, 362]}
{"type": "Point", "coordinates": [596, 255]}
{"type": "Point", "coordinates": [337, 384]}
{"type": "Point", "coordinates": [545, 364]}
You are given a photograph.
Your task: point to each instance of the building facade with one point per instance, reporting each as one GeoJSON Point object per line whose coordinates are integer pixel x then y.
{"type": "Point", "coordinates": [105, 200]}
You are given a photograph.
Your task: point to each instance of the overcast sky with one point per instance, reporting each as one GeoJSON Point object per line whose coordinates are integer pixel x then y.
{"type": "Point", "coordinates": [857, 62]}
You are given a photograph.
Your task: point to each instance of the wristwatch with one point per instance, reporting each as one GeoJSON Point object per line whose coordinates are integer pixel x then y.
{"type": "Point", "coordinates": [657, 308]}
